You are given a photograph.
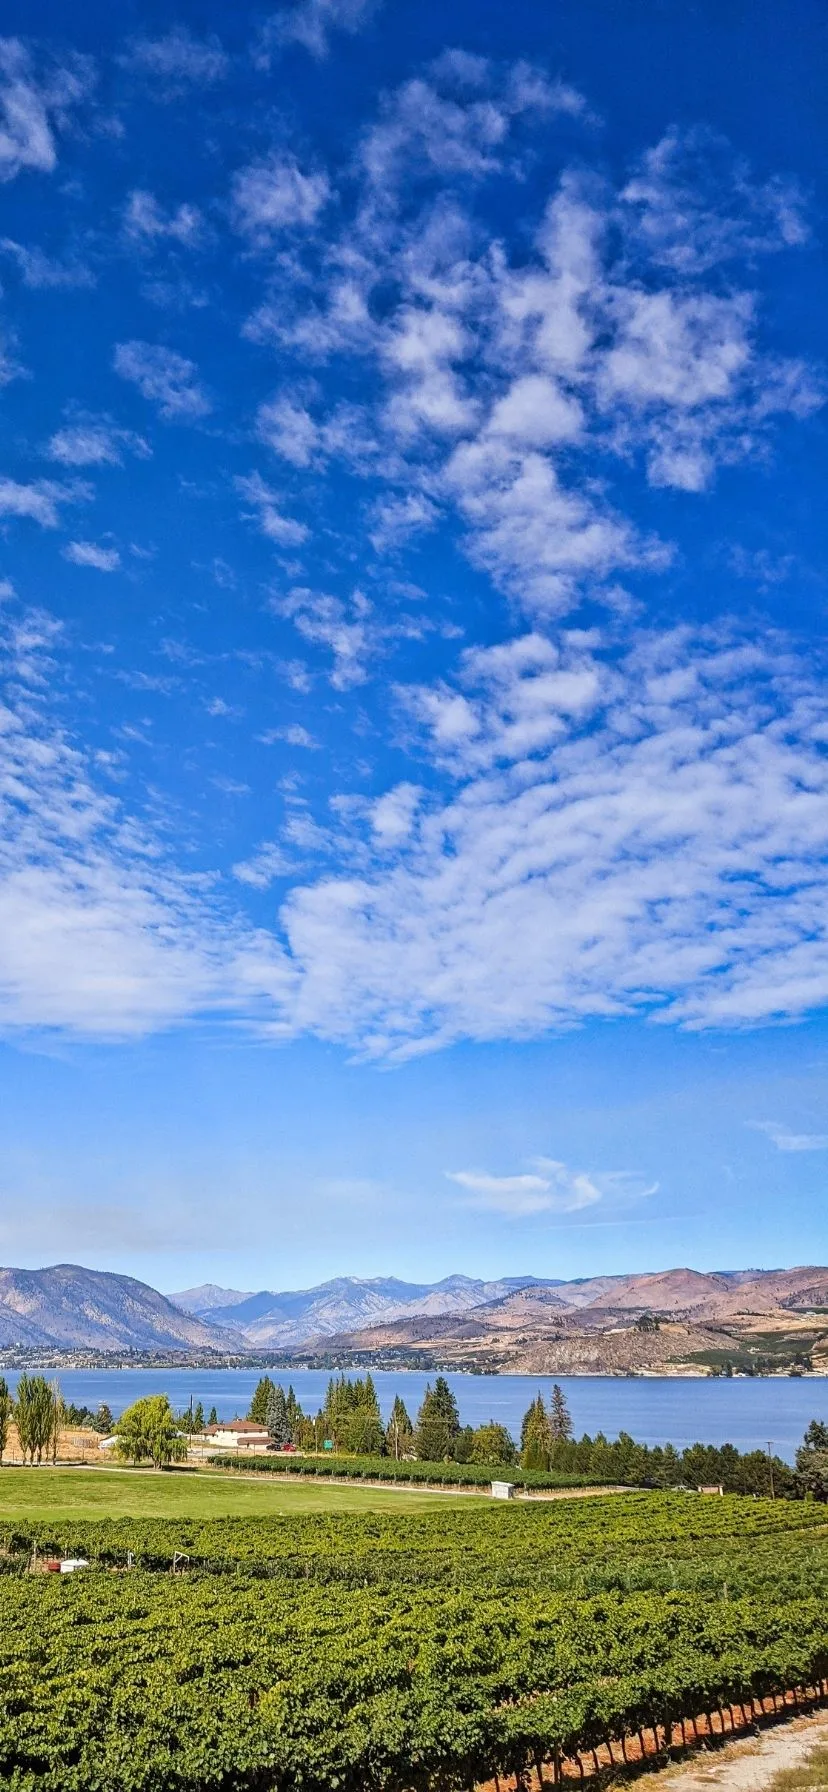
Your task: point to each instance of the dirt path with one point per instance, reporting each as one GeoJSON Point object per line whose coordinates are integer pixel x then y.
{"type": "Point", "coordinates": [748, 1765]}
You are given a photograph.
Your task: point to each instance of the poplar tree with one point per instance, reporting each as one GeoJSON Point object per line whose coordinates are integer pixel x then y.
{"type": "Point", "coordinates": [399, 1432]}
{"type": "Point", "coordinates": [5, 1415]}
{"type": "Point", "coordinates": [258, 1404]}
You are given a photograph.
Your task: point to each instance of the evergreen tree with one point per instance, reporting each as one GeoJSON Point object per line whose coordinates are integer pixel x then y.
{"type": "Point", "coordinates": [5, 1415]}
{"type": "Point", "coordinates": [437, 1423]}
{"type": "Point", "coordinates": [560, 1422]}
{"type": "Point", "coordinates": [276, 1417]}
{"type": "Point", "coordinates": [258, 1404]}
{"type": "Point", "coordinates": [103, 1420]}
{"type": "Point", "coordinates": [295, 1416]}
{"type": "Point", "coordinates": [535, 1419]}
{"type": "Point", "coordinates": [812, 1462]}
{"type": "Point", "coordinates": [399, 1433]}
{"type": "Point", "coordinates": [369, 1397]}
{"type": "Point", "coordinates": [446, 1404]}
{"type": "Point", "coordinates": [213, 1419]}
{"type": "Point", "coordinates": [536, 1436]}
{"type": "Point", "coordinates": [198, 1418]}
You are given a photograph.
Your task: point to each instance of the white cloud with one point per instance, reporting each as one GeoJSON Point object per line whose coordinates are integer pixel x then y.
{"type": "Point", "coordinates": [100, 936]}
{"type": "Point", "coordinates": [40, 271]}
{"type": "Point", "coordinates": [311, 24]}
{"type": "Point", "coordinates": [552, 1187]}
{"type": "Point", "coordinates": [33, 105]}
{"type": "Point", "coordinates": [343, 627]}
{"type": "Point", "coordinates": [392, 815]}
{"type": "Point", "coordinates": [695, 207]}
{"type": "Point", "coordinates": [91, 553]}
{"type": "Point", "coordinates": [176, 62]}
{"type": "Point", "coordinates": [145, 221]}
{"type": "Point", "coordinates": [38, 500]}
{"type": "Point", "coordinates": [274, 194]}
{"type": "Point", "coordinates": [94, 441]}
{"type": "Point", "coordinates": [285, 531]}
{"type": "Point", "coordinates": [166, 378]}
{"type": "Point", "coordinates": [289, 429]}
{"type": "Point", "coordinates": [643, 834]}
{"type": "Point", "coordinates": [784, 1140]}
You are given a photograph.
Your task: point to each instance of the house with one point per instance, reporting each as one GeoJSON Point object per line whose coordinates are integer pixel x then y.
{"type": "Point", "coordinates": [237, 1434]}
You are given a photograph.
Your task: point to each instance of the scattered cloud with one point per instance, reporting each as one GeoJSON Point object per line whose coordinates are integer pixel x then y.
{"type": "Point", "coordinates": [167, 379]}
{"type": "Point", "coordinates": [343, 627]}
{"type": "Point", "coordinates": [784, 1140]}
{"type": "Point", "coordinates": [40, 271]}
{"type": "Point", "coordinates": [91, 553]}
{"type": "Point", "coordinates": [285, 531]}
{"type": "Point", "coordinates": [39, 500]}
{"type": "Point", "coordinates": [551, 1187]}
{"type": "Point", "coordinates": [35, 105]}
{"type": "Point", "coordinates": [311, 23]}
{"type": "Point", "coordinates": [275, 195]}
{"type": "Point", "coordinates": [634, 833]}
{"type": "Point", "coordinates": [289, 429]}
{"type": "Point", "coordinates": [87, 440]}
{"type": "Point", "coordinates": [145, 221]}
{"type": "Point", "coordinates": [177, 62]}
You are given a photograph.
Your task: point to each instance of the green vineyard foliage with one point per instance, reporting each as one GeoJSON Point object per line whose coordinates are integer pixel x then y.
{"type": "Point", "coordinates": [393, 1651]}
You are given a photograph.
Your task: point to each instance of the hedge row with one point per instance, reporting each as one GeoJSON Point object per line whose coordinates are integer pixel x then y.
{"type": "Point", "coordinates": [381, 1468]}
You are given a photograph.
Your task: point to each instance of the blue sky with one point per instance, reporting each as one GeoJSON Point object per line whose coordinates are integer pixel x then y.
{"type": "Point", "coordinates": [414, 740]}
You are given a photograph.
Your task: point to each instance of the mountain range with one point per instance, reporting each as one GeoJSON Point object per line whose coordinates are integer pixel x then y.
{"type": "Point", "coordinates": [659, 1322]}
{"type": "Point", "coordinates": [270, 1321]}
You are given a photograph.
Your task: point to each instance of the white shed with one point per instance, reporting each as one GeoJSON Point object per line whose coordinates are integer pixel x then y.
{"type": "Point", "coordinates": [503, 1490]}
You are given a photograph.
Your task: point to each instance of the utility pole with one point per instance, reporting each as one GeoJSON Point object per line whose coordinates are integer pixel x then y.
{"type": "Point", "coordinates": [770, 1466]}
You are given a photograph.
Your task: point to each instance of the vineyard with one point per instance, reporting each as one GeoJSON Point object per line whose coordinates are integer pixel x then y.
{"type": "Point", "coordinates": [385, 1651]}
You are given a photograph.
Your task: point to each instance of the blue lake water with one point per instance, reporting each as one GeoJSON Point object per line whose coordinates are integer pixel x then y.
{"type": "Point", "coordinates": [747, 1413]}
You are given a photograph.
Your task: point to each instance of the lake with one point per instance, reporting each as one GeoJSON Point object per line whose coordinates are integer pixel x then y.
{"type": "Point", "coordinates": [747, 1413]}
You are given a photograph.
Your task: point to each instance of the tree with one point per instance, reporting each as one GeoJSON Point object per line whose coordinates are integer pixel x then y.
{"type": "Point", "coordinates": [258, 1404]}
{"type": "Point", "coordinates": [463, 1444]}
{"type": "Point", "coordinates": [492, 1444]}
{"type": "Point", "coordinates": [363, 1434]}
{"type": "Point", "coordinates": [103, 1420]}
{"type": "Point", "coordinates": [5, 1415]}
{"type": "Point", "coordinates": [147, 1432]}
{"type": "Point", "coordinates": [560, 1423]}
{"type": "Point", "coordinates": [35, 1416]}
{"type": "Point", "coordinates": [438, 1423]}
{"type": "Point", "coordinates": [198, 1418]}
{"type": "Point", "coordinates": [57, 1418]}
{"type": "Point", "coordinates": [276, 1417]}
{"type": "Point", "coordinates": [213, 1419]}
{"type": "Point", "coordinates": [812, 1462]}
{"type": "Point", "coordinates": [536, 1436]}
{"type": "Point", "coordinates": [399, 1432]}
{"type": "Point", "coordinates": [295, 1415]}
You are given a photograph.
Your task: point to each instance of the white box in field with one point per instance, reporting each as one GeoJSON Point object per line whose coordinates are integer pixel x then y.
{"type": "Point", "coordinates": [503, 1490]}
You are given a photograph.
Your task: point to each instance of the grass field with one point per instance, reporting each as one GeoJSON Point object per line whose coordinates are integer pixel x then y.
{"type": "Point", "coordinates": [102, 1493]}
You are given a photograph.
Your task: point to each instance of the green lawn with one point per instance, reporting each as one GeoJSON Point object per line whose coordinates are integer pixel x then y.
{"type": "Point", "coordinates": [102, 1493]}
